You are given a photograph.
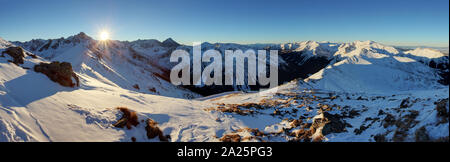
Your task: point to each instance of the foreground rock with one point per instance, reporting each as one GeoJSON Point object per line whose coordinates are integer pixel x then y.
{"type": "Point", "coordinates": [61, 73]}
{"type": "Point", "coordinates": [17, 53]}
{"type": "Point", "coordinates": [231, 138]}
{"type": "Point", "coordinates": [323, 116]}
{"type": "Point", "coordinates": [128, 119]}
{"type": "Point", "coordinates": [153, 131]}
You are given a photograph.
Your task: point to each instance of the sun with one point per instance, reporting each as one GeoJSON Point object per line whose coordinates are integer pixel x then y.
{"type": "Point", "coordinates": [104, 35]}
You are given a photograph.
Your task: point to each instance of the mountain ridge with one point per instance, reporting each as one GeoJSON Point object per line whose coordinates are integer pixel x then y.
{"type": "Point", "coordinates": [310, 56]}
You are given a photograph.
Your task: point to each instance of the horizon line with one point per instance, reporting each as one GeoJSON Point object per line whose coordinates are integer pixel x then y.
{"type": "Point", "coordinates": [397, 44]}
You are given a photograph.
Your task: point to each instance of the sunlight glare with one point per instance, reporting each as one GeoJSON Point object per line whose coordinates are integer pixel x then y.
{"type": "Point", "coordinates": [104, 35]}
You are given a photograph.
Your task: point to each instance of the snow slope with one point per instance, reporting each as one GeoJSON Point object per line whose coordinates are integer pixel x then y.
{"type": "Point", "coordinates": [374, 68]}
{"type": "Point", "coordinates": [426, 52]}
{"type": "Point", "coordinates": [430, 57]}
{"type": "Point", "coordinates": [110, 62]}
{"type": "Point", "coordinates": [33, 108]}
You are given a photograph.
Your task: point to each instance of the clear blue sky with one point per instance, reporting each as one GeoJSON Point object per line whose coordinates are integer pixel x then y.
{"type": "Point", "coordinates": [398, 22]}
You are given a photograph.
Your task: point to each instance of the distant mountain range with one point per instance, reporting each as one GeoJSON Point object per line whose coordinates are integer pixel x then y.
{"type": "Point", "coordinates": [309, 56]}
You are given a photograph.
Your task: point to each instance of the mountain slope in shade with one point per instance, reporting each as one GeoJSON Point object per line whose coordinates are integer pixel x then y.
{"type": "Point", "coordinates": [309, 56]}
{"type": "Point", "coordinates": [169, 42]}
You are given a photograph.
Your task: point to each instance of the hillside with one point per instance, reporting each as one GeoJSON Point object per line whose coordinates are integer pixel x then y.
{"type": "Point", "coordinates": [362, 91]}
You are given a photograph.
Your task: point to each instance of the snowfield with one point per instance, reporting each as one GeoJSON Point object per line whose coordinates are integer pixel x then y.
{"type": "Point", "coordinates": [374, 68]}
{"type": "Point", "coordinates": [368, 92]}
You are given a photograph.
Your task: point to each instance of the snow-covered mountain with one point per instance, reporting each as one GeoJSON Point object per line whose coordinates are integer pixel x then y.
{"type": "Point", "coordinates": [430, 57]}
{"type": "Point", "coordinates": [358, 91]}
{"type": "Point", "coordinates": [310, 56]}
{"type": "Point", "coordinates": [4, 43]}
{"type": "Point", "coordinates": [372, 67]}
{"type": "Point", "coordinates": [359, 66]}
{"type": "Point", "coordinates": [131, 66]}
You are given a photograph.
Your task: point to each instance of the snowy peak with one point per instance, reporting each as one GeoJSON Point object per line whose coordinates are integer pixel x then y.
{"type": "Point", "coordinates": [169, 42]}
{"type": "Point", "coordinates": [147, 43]}
{"type": "Point", "coordinates": [50, 47]}
{"type": "Point", "coordinates": [127, 65]}
{"type": "Point", "coordinates": [354, 60]}
{"type": "Point", "coordinates": [312, 48]}
{"type": "Point", "coordinates": [426, 52]}
{"type": "Point", "coordinates": [80, 37]}
{"type": "Point", "coordinates": [4, 43]}
{"type": "Point", "coordinates": [364, 48]}
{"type": "Point", "coordinates": [367, 66]}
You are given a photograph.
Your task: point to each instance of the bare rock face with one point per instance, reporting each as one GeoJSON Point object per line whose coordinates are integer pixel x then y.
{"type": "Point", "coordinates": [61, 73]}
{"type": "Point", "coordinates": [129, 118]}
{"type": "Point", "coordinates": [336, 124]}
{"type": "Point", "coordinates": [421, 135]}
{"type": "Point", "coordinates": [17, 53]}
{"type": "Point", "coordinates": [153, 131]}
{"type": "Point", "coordinates": [442, 109]}
{"type": "Point", "coordinates": [231, 138]}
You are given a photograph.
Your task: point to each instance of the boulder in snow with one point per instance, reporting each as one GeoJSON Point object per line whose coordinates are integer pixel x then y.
{"type": "Point", "coordinates": [129, 118]}
{"type": "Point", "coordinates": [17, 53]}
{"type": "Point", "coordinates": [58, 72]}
{"type": "Point", "coordinates": [153, 131]}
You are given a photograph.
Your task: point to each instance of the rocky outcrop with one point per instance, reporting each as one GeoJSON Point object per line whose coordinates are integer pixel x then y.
{"type": "Point", "coordinates": [442, 110]}
{"type": "Point", "coordinates": [61, 73]}
{"type": "Point", "coordinates": [231, 138]}
{"type": "Point", "coordinates": [336, 124]}
{"type": "Point", "coordinates": [153, 131]}
{"type": "Point", "coordinates": [17, 53]}
{"type": "Point", "coordinates": [128, 119]}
